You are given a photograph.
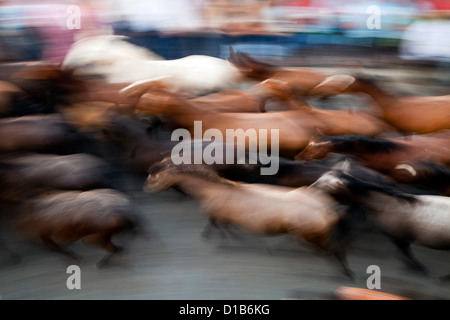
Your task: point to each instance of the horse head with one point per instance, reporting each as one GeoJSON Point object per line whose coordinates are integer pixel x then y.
{"type": "Point", "coordinates": [250, 67]}
{"type": "Point", "coordinates": [318, 147]}
{"type": "Point", "coordinates": [166, 174]}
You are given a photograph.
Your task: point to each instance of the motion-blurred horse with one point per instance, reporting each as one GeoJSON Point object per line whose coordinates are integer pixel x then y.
{"type": "Point", "coordinates": [295, 126]}
{"type": "Point", "coordinates": [66, 172]}
{"type": "Point", "coordinates": [418, 114]}
{"type": "Point", "coordinates": [414, 160]}
{"type": "Point", "coordinates": [308, 215]}
{"type": "Point", "coordinates": [41, 133]}
{"type": "Point", "coordinates": [423, 219]}
{"type": "Point", "coordinates": [119, 61]}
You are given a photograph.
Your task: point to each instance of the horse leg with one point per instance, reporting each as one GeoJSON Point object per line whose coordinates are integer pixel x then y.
{"type": "Point", "coordinates": [112, 248]}
{"type": "Point", "coordinates": [232, 232]}
{"type": "Point", "coordinates": [103, 241]}
{"type": "Point", "coordinates": [341, 256]}
{"type": "Point", "coordinates": [212, 223]}
{"type": "Point", "coordinates": [14, 258]}
{"type": "Point", "coordinates": [405, 248]}
{"type": "Point", "coordinates": [49, 242]}
{"type": "Point", "coordinates": [320, 242]}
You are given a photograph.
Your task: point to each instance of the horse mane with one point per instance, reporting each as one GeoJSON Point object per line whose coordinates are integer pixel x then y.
{"type": "Point", "coordinates": [350, 143]}
{"type": "Point", "coordinates": [362, 188]}
{"type": "Point", "coordinates": [370, 82]}
{"type": "Point", "coordinates": [49, 84]}
{"type": "Point", "coordinates": [195, 170]}
{"type": "Point", "coordinates": [251, 67]}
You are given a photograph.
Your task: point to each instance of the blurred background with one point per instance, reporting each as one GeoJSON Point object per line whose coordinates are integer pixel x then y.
{"type": "Point", "coordinates": [284, 30]}
{"type": "Point", "coordinates": [405, 42]}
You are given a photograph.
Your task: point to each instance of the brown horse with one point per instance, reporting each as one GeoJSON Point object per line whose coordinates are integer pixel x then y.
{"type": "Point", "coordinates": [418, 114]}
{"type": "Point", "coordinates": [61, 217]}
{"type": "Point", "coordinates": [39, 133]}
{"type": "Point", "coordinates": [138, 150]}
{"type": "Point", "coordinates": [296, 81]}
{"type": "Point", "coordinates": [411, 159]}
{"type": "Point", "coordinates": [48, 83]}
{"type": "Point", "coordinates": [295, 126]}
{"type": "Point", "coordinates": [66, 172]}
{"type": "Point", "coordinates": [11, 97]}
{"type": "Point", "coordinates": [227, 100]}
{"type": "Point", "coordinates": [308, 215]}
{"type": "Point", "coordinates": [295, 173]}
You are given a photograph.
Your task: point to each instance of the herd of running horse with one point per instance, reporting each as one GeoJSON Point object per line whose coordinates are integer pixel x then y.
{"type": "Point", "coordinates": [62, 124]}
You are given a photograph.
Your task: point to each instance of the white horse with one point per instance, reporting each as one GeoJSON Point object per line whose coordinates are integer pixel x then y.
{"type": "Point", "coordinates": [405, 218]}
{"type": "Point", "coordinates": [119, 61]}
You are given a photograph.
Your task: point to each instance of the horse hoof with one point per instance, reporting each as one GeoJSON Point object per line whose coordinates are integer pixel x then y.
{"type": "Point", "coordinates": [206, 235]}
{"type": "Point", "coordinates": [119, 249]}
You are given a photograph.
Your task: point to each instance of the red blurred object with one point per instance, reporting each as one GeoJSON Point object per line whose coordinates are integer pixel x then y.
{"type": "Point", "coordinates": [350, 293]}
{"type": "Point", "coordinates": [441, 4]}
{"type": "Point", "coordinates": [296, 3]}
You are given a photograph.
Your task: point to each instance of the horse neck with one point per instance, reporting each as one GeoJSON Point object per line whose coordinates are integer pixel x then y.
{"type": "Point", "coordinates": [381, 97]}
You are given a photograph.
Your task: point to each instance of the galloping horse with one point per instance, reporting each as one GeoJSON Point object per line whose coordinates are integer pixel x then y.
{"type": "Point", "coordinates": [61, 217]}
{"type": "Point", "coordinates": [295, 126]}
{"type": "Point", "coordinates": [119, 61]}
{"type": "Point", "coordinates": [411, 160]}
{"type": "Point", "coordinates": [418, 114]}
{"type": "Point", "coordinates": [65, 172]}
{"type": "Point", "coordinates": [405, 218]}
{"type": "Point", "coordinates": [307, 214]}
{"type": "Point", "coordinates": [292, 82]}
{"type": "Point", "coordinates": [58, 218]}
{"type": "Point", "coordinates": [40, 133]}
{"type": "Point", "coordinates": [382, 154]}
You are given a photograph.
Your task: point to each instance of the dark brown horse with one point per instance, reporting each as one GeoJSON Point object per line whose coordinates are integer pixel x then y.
{"type": "Point", "coordinates": [65, 172]}
{"type": "Point", "coordinates": [61, 217]}
{"type": "Point", "coordinates": [48, 84]}
{"type": "Point", "coordinates": [39, 133]}
{"type": "Point", "coordinates": [412, 160]}
{"type": "Point", "coordinates": [58, 218]}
